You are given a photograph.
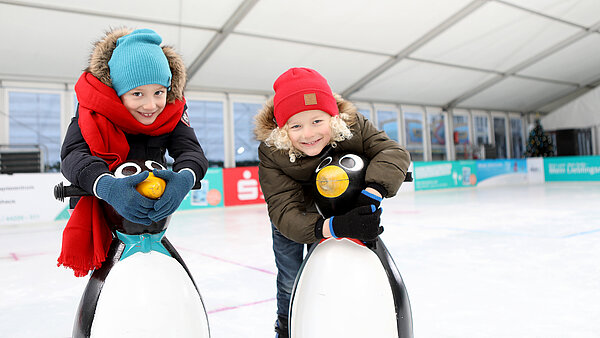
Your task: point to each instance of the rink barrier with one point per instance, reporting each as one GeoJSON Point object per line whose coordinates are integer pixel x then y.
{"type": "Point", "coordinates": [28, 198]}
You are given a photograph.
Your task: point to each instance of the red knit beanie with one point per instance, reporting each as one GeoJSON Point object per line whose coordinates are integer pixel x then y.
{"type": "Point", "coordinates": [301, 89]}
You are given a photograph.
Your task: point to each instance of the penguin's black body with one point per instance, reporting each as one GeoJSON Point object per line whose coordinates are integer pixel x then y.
{"type": "Point", "coordinates": [143, 288]}
{"type": "Point", "coordinates": [345, 287]}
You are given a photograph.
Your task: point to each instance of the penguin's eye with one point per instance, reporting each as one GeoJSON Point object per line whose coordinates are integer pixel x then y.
{"type": "Point", "coordinates": [154, 165]}
{"type": "Point", "coordinates": [127, 169]}
{"type": "Point", "coordinates": [323, 164]}
{"type": "Point", "coordinates": [351, 162]}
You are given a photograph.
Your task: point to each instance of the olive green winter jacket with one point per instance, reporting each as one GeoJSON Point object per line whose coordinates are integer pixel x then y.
{"type": "Point", "coordinates": [287, 186]}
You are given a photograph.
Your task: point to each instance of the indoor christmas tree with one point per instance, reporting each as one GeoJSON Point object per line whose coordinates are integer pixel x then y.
{"type": "Point", "coordinates": [539, 144]}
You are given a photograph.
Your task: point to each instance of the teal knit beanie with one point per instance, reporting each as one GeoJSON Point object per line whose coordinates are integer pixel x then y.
{"type": "Point", "coordinates": [138, 60]}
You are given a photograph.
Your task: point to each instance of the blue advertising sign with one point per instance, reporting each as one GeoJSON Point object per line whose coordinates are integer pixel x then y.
{"type": "Point", "coordinates": [579, 168]}
{"type": "Point", "coordinates": [491, 168]}
{"type": "Point", "coordinates": [444, 174]}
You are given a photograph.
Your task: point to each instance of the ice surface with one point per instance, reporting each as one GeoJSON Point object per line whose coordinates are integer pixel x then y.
{"type": "Point", "coordinates": [518, 261]}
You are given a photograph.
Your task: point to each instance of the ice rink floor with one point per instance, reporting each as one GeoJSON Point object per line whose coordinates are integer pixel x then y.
{"type": "Point", "coordinates": [519, 261]}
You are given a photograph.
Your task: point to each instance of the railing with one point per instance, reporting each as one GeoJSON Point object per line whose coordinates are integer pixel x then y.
{"type": "Point", "coordinates": [21, 159]}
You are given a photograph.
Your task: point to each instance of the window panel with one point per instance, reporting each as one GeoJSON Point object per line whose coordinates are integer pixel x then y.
{"type": "Point", "coordinates": [437, 132]}
{"type": "Point", "coordinates": [461, 136]}
{"type": "Point", "coordinates": [516, 138]}
{"type": "Point", "coordinates": [413, 125]}
{"type": "Point", "coordinates": [388, 122]}
{"type": "Point", "coordinates": [481, 130]}
{"type": "Point", "coordinates": [206, 117]}
{"type": "Point", "coordinates": [366, 113]}
{"type": "Point", "coordinates": [500, 136]}
{"type": "Point", "coordinates": [246, 146]}
{"type": "Point", "coordinates": [35, 120]}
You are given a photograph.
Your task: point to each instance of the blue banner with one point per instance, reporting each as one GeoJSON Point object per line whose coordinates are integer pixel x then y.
{"type": "Point", "coordinates": [491, 168]}
{"type": "Point", "coordinates": [444, 174]}
{"type": "Point", "coordinates": [579, 168]}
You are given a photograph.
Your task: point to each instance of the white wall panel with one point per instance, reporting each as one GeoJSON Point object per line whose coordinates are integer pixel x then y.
{"type": "Point", "coordinates": [583, 112]}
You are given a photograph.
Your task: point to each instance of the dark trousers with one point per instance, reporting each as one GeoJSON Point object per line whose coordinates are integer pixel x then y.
{"type": "Point", "coordinates": [288, 258]}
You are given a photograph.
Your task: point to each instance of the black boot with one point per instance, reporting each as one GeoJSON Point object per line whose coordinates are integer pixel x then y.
{"type": "Point", "coordinates": [281, 327]}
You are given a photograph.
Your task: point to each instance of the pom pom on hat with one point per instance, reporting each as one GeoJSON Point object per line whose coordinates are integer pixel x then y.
{"type": "Point", "coordinates": [301, 89]}
{"type": "Point", "coordinates": [138, 60]}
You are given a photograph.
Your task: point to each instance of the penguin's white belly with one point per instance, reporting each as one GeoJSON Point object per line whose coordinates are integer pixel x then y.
{"type": "Point", "coordinates": [343, 291]}
{"type": "Point", "coordinates": [149, 295]}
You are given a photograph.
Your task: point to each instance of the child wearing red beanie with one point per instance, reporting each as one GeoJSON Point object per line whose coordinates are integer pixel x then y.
{"type": "Point", "coordinates": [301, 124]}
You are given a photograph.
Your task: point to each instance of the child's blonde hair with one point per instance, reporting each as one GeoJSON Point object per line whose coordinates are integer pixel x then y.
{"type": "Point", "coordinates": [280, 139]}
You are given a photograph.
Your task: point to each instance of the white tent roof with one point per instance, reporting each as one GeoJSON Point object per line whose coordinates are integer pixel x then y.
{"type": "Point", "coordinates": [505, 55]}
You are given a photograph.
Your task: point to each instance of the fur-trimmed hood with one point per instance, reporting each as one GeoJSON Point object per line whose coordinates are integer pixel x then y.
{"type": "Point", "coordinates": [102, 52]}
{"type": "Point", "coordinates": [264, 121]}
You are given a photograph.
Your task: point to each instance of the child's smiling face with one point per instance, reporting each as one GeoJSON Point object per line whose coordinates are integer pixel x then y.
{"type": "Point", "coordinates": [145, 102]}
{"type": "Point", "coordinates": [309, 131]}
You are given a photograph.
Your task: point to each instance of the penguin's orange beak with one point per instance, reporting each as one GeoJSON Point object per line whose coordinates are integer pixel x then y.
{"type": "Point", "coordinates": [152, 187]}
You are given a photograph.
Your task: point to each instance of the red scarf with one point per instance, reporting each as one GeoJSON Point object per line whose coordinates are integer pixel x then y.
{"type": "Point", "coordinates": [103, 120]}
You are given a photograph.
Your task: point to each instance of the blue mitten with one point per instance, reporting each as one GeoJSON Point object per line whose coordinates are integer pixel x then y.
{"type": "Point", "coordinates": [367, 198]}
{"type": "Point", "coordinates": [120, 193]}
{"type": "Point", "coordinates": [178, 185]}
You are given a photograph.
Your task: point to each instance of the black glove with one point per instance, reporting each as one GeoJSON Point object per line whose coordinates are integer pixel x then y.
{"type": "Point", "coordinates": [361, 223]}
{"type": "Point", "coordinates": [367, 198]}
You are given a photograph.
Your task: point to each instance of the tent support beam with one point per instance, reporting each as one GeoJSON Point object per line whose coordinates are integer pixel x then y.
{"type": "Point", "coordinates": [490, 71]}
{"type": "Point", "coordinates": [451, 21]}
{"type": "Point", "coordinates": [65, 9]}
{"type": "Point", "coordinates": [558, 102]}
{"type": "Point", "coordinates": [540, 14]}
{"type": "Point", "coordinates": [513, 71]}
{"type": "Point", "coordinates": [221, 35]}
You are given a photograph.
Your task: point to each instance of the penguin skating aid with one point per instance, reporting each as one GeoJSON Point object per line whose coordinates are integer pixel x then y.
{"type": "Point", "coordinates": [347, 288]}
{"type": "Point", "coordinates": [143, 288]}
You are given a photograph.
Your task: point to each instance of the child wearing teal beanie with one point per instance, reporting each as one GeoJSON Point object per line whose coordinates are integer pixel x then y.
{"type": "Point", "coordinates": [131, 107]}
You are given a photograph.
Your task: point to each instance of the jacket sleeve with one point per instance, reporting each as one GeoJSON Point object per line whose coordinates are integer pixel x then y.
{"type": "Point", "coordinates": [285, 200]}
{"type": "Point", "coordinates": [389, 161]}
{"type": "Point", "coordinates": [187, 152]}
{"type": "Point", "coordinates": [78, 165]}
